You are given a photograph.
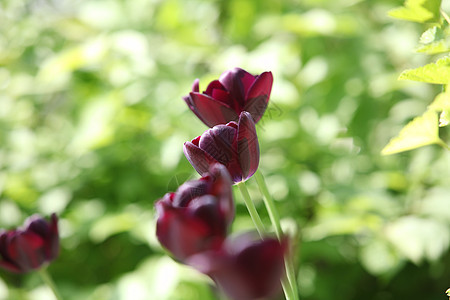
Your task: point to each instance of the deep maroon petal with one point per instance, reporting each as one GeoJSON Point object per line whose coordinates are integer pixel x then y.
{"type": "Point", "coordinates": [212, 112]}
{"type": "Point", "coordinates": [195, 86]}
{"type": "Point", "coordinates": [52, 243]}
{"type": "Point", "coordinates": [219, 142]}
{"type": "Point", "coordinates": [183, 233]}
{"type": "Point", "coordinates": [258, 96]}
{"type": "Point", "coordinates": [262, 266]}
{"type": "Point", "coordinates": [222, 189]}
{"type": "Point", "coordinates": [48, 231]}
{"type": "Point", "coordinates": [246, 267]}
{"type": "Point", "coordinates": [199, 159]}
{"type": "Point", "coordinates": [247, 145]}
{"type": "Point", "coordinates": [26, 250]}
{"type": "Point", "coordinates": [237, 81]}
{"type": "Point", "coordinates": [207, 209]}
{"type": "Point", "coordinates": [188, 191]}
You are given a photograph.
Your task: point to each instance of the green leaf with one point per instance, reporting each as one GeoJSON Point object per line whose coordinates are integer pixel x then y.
{"type": "Point", "coordinates": [421, 11]}
{"type": "Point", "coordinates": [434, 41]}
{"type": "Point", "coordinates": [419, 132]}
{"type": "Point", "coordinates": [442, 104]}
{"type": "Point", "coordinates": [438, 73]}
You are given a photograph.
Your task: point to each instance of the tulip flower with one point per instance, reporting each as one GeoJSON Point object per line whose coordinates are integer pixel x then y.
{"type": "Point", "coordinates": [224, 99]}
{"type": "Point", "coordinates": [245, 268]}
{"type": "Point", "coordinates": [23, 250]}
{"type": "Point", "coordinates": [234, 145]}
{"type": "Point", "coordinates": [197, 216]}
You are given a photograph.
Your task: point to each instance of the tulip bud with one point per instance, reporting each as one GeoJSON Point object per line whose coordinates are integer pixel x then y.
{"type": "Point", "coordinates": [197, 216]}
{"type": "Point", "coordinates": [224, 99]}
{"type": "Point", "coordinates": [246, 267]}
{"type": "Point", "coordinates": [234, 145]}
{"type": "Point", "coordinates": [23, 250]}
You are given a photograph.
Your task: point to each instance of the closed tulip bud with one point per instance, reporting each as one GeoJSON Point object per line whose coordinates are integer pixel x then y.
{"type": "Point", "coordinates": [224, 99]}
{"type": "Point", "coordinates": [245, 268]}
{"type": "Point", "coordinates": [23, 250]}
{"type": "Point", "coordinates": [197, 216]}
{"type": "Point", "coordinates": [234, 145]}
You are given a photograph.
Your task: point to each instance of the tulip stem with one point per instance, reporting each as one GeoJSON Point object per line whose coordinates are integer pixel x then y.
{"type": "Point", "coordinates": [45, 276]}
{"type": "Point", "coordinates": [275, 219]}
{"type": "Point", "coordinates": [251, 208]}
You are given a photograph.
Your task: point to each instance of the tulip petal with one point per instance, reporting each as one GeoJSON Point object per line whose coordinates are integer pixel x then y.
{"type": "Point", "coordinates": [210, 111]}
{"type": "Point", "coordinates": [183, 234]}
{"type": "Point", "coordinates": [198, 158]}
{"type": "Point", "coordinates": [26, 249]}
{"type": "Point", "coordinates": [247, 145]}
{"type": "Point", "coordinates": [188, 191]}
{"type": "Point", "coordinates": [219, 142]}
{"type": "Point", "coordinates": [222, 188]}
{"type": "Point", "coordinates": [258, 96]}
{"type": "Point", "coordinates": [207, 209]}
{"type": "Point", "coordinates": [237, 81]}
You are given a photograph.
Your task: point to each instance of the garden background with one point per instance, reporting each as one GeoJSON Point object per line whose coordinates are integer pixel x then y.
{"type": "Point", "coordinates": [92, 126]}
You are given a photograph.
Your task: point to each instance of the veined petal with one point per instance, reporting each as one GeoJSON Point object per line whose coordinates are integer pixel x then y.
{"type": "Point", "coordinates": [258, 96]}
{"type": "Point", "coordinates": [212, 112]}
{"type": "Point", "coordinates": [237, 81]}
{"type": "Point", "coordinates": [199, 159]}
{"type": "Point", "coordinates": [247, 145]}
{"type": "Point", "coordinates": [219, 142]}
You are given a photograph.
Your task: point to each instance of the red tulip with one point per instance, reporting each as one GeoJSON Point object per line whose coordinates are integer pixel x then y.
{"type": "Point", "coordinates": [197, 216]}
{"type": "Point", "coordinates": [234, 145]}
{"type": "Point", "coordinates": [224, 99]}
{"type": "Point", "coordinates": [23, 250]}
{"type": "Point", "coordinates": [245, 268]}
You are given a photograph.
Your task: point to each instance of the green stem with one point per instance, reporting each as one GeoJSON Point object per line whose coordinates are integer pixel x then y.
{"type": "Point", "coordinates": [251, 208]}
{"type": "Point", "coordinates": [261, 230]}
{"type": "Point", "coordinates": [443, 144]}
{"type": "Point", "coordinates": [445, 16]}
{"type": "Point", "coordinates": [45, 276]}
{"type": "Point", "coordinates": [275, 219]}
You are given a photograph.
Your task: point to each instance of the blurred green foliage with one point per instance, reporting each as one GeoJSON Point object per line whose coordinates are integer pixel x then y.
{"type": "Point", "coordinates": [92, 126]}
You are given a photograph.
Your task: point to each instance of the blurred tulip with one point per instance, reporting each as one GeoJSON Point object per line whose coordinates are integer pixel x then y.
{"type": "Point", "coordinates": [245, 267]}
{"type": "Point", "coordinates": [23, 250]}
{"type": "Point", "coordinates": [224, 99]}
{"type": "Point", "coordinates": [234, 145]}
{"type": "Point", "coordinates": [197, 216]}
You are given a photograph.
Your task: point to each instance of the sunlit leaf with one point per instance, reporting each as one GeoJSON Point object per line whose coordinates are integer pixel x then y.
{"type": "Point", "coordinates": [442, 104]}
{"type": "Point", "coordinates": [418, 11]}
{"type": "Point", "coordinates": [434, 41]}
{"type": "Point", "coordinates": [438, 72]}
{"type": "Point", "coordinates": [419, 132]}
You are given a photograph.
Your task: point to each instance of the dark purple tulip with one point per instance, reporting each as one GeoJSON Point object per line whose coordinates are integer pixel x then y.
{"type": "Point", "coordinates": [224, 99]}
{"type": "Point", "coordinates": [23, 250]}
{"type": "Point", "coordinates": [197, 216]}
{"type": "Point", "coordinates": [234, 145]}
{"type": "Point", "coordinates": [245, 268]}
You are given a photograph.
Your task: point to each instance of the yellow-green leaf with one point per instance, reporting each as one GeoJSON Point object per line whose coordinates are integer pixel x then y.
{"type": "Point", "coordinates": [421, 11]}
{"type": "Point", "coordinates": [438, 73]}
{"type": "Point", "coordinates": [442, 104]}
{"type": "Point", "coordinates": [434, 41]}
{"type": "Point", "coordinates": [421, 131]}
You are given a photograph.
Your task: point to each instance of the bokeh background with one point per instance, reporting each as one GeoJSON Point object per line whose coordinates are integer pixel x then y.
{"type": "Point", "coordinates": [92, 126]}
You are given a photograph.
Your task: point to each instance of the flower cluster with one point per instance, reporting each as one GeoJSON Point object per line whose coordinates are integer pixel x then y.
{"type": "Point", "coordinates": [193, 222]}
